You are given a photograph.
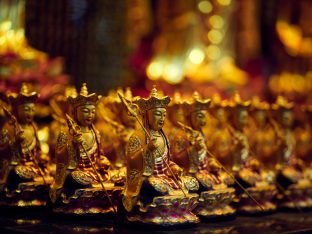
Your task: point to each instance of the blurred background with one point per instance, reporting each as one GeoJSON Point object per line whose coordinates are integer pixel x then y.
{"type": "Point", "coordinates": [259, 47]}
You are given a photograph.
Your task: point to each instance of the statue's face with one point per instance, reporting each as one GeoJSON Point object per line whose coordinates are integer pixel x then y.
{"type": "Point", "coordinates": [287, 118]}
{"type": "Point", "coordinates": [221, 115]}
{"type": "Point", "coordinates": [243, 117]}
{"type": "Point", "coordinates": [156, 118]}
{"type": "Point", "coordinates": [86, 114]}
{"type": "Point", "coordinates": [26, 112]}
{"type": "Point", "coordinates": [198, 119]}
{"type": "Point", "coordinates": [260, 117]}
{"type": "Point", "coordinates": [177, 116]}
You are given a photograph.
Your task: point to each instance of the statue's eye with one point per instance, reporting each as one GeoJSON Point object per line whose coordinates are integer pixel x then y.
{"type": "Point", "coordinates": [86, 111]}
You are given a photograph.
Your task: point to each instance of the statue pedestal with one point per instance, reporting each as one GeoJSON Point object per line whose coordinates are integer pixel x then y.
{"type": "Point", "coordinates": [263, 195]}
{"type": "Point", "coordinates": [165, 211]}
{"type": "Point", "coordinates": [300, 194]}
{"type": "Point", "coordinates": [28, 194]}
{"type": "Point", "coordinates": [215, 203]}
{"type": "Point", "coordinates": [88, 201]}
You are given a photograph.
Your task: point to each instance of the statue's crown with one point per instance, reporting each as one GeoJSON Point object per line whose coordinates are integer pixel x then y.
{"type": "Point", "coordinates": [176, 103]}
{"type": "Point", "coordinates": [113, 102]}
{"type": "Point", "coordinates": [24, 96]}
{"type": "Point", "coordinates": [153, 101]}
{"type": "Point", "coordinates": [83, 98]}
{"type": "Point", "coordinates": [196, 103]}
{"type": "Point", "coordinates": [282, 104]}
{"type": "Point", "coordinates": [218, 102]}
{"type": "Point", "coordinates": [237, 101]}
{"type": "Point", "coordinates": [257, 104]}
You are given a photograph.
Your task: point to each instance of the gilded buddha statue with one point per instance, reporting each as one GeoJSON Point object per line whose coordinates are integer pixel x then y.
{"type": "Point", "coordinates": [156, 192]}
{"type": "Point", "coordinates": [303, 136]}
{"type": "Point", "coordinates": [176, 135]}
{"type": "Point", "coordinates": [25, 177]}
{"type": "Point", "coordinates": [295, 185]}
{"type": "Point", "coordinates": [263, 138]}
{"type": "Point", "coordinates": [83, 184]}
{"type": "Point", "coordinates": [123, 126]}
{"type": "Point", "coordinates": [59, 107]}
{"type": "Point", "coordinates": [222, 142]}
{"type": "Point", "coordinates": [259, 190]}
{"type": "Point", "coordinates": [214, 183]}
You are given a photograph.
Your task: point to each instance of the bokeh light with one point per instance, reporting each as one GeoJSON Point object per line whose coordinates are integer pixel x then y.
{"type": "Point", "coordinates": [196, 56]}
{"type": "Point", "coordinates": [205, 6]}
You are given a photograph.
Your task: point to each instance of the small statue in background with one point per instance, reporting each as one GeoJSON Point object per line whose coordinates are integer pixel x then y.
{"type": "Point", "coordinates": [222, 143]}
{"type": "Point", "coordinates": [83, 183]}
{"type": "Point", "coordinates": [215, 183]}
{"type": "Point", "coordinates": [303, 135]}
{"type": "Point", "coordinates": [59, 107]}
{"type": "Point", "coordinates": [156, 193]}
{"type": "Point", "coordinates": [294, 185]}
{"type": "Point", "coordinates": [107, 126]}
{"type": "Point", "coordinates": [263, 139]}
{"type": "Point", "coordinates": [247, 167]}
{"type": "Point", "coordinates": [123, 124]}
{"type": "Point", "coordinates": [176, 135]}
{"type": "Point", "coordinates": [25, 178]}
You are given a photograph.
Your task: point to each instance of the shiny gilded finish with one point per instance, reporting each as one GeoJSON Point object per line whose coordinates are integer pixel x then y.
{"type": "Point", "coordinates": [247, 167]}
{"type": "Point", "coordinates": [167, 211]}
{"type": "Point", "coordinates": [213, 180]}
{"type": "Point", "coordinates": [82, 169]}
{"type": "Point", "coordinates": [25, 176]}
{"type": "Point", "coordinates": [156, 193]}
{"type": "Point", "coordinates": [291, 167]}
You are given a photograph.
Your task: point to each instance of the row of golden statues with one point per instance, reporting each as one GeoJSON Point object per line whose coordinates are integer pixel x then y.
{"type": "Point", "coordinates": [154, 160]}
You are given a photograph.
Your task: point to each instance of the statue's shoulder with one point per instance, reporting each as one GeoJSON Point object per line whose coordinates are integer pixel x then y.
{"type": "Point", "coordinates": [62, 139]}
{"type": "Point", "coordinates": [136, 141]}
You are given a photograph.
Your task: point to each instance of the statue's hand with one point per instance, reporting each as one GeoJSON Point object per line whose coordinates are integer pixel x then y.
{"type": "Point", "coordinates": [177, 170]}
{"type": "Point", "coordinates": [20, 136]}
{"type": "Point", "coordinates": [78, 139]}
{"type": "Point", "coordinates": [152, 144]}
{"type": "Point", "coordinates": [214, 165]}
{"type": "Point", "coordinates": [44, 159]}
{"type": "Point", "coordinates": [105, 163]}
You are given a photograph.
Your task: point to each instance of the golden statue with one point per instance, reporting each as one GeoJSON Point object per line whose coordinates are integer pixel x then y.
{"type": "Point", "coordinates": [176, 135]}
{"type": "Point", "coordinates": [156, 193]}
{"type": "Point", "coordinates": [215, 194]}
{"type": "Point", "coordinates": [108, 127]}
{"type": "Point", "coordinates": [59, 107]}
{"type": "Point", "coordinates": [263, 138]}
{"type": "Point", "coordinates": [122, 123]}
{"type": "Point", "coordinates": [294, 185]}
{"type": "Point", "coordinates": [82, 183]}
{"type": "Point", "coordinates": [246, 166]}
{"type": "Point", "coordinates": [303, 135]}
{"type": "Point", "coordinates": [24, 176]}
{"type": "Point", "coordinates": [221, 140]}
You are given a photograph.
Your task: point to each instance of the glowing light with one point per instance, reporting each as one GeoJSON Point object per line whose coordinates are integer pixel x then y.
{"type": "Point", "coordinates": [224, 2]}
{"type": "Point", "coordinates": [196, 56]}
{"type": "Point", "coordinates": [205, 7]}
{"type": "Point", "coordinates": [215, 36]}
{"type": "Point", "coordinates": [173, 73]}
{"type": "Point", "coordinates": [213, 52]}
{"type": "Point", "coordinates": [5, 26]}
{"type": "Point", "coordinates": [155, 70]}
{"type": "Point", "coordinates": [216, 21]}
